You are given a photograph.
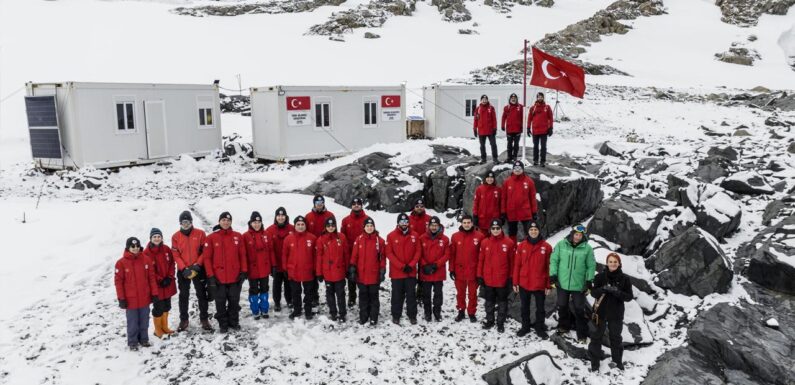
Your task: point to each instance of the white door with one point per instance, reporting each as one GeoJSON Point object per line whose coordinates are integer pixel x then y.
{"type": "Point", "coordinates": [155, 111]}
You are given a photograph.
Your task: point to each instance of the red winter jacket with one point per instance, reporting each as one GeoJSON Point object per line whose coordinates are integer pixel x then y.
{"type": "Point", "coordinates": [135, 280]}
{"type": "Point", "coordinates": [401, 250]}
{"type": "Point", "coordinates": [435, 249]}
{"type": "Point", "coordinates": [419, 223]}
{"type": "Point", "coordinates": [332, 256]}
{"type": "Point", "coordinates": [512, 118]}
{"type": "Point", "coordinates": [496, 260]}
{"type": "Point", "coordinates": [368, 257]}
{"type": "Point", "coordinates": [519, 198]}
{"type": "Point", "coordinates": [316, 221]}
{"type": "Point", "coordinates": [188, 249]}
{"type": "Point", "coordinates": [485, 120]}
{"type": "Point", "coordinates": [260, 253]}
{"type": "Point", "coordinates": [163, 261]}
{"type": "Point", "coordinates": [540, 118]}
{"type": "Point", "coordinates": [298, 256]}
{"type": "Point", "coordinates": [531, 266]}
{"type": "Point", "coordinates": [225, 256]}
{"type": "Point", "coordinates": [464, 253]}
{"type": "Point", "coordinates": [353, 226]}
{"type": "Point", "coordinates": [486, 205]}
{"type": "Point", "coordinates": [278, 234]}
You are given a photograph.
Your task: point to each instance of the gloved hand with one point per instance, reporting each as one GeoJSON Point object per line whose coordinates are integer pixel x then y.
{"type": "Point", "coordinates": [123, 303]}
{"type": "Point", "coordinates": [352, 273]}
{"type": "Point", "coordinates": [504, 218]}
{"type": "Point", "coordinates": [381, 275]}
{"type": "Point", "coordinates": [319, 278]}
{"type": "Point", "coordinates": [434, 268]}
{"type": "Point", "coordinates": [554, 281]}
{"type": "Point", "coordinates": [549, 133]}
{"type": "Point", "coordinates": [427, 269]}
{"type": "Point", "coordinates": [165, 282]}
{"type": "Point", "coordinates": [588, 286]}
{"type": "Point", "coordinates": [154, 298]}
{"type": "Point", "coordinates": [242, 277]}
{"type": "Point", "coordinates": [475, 220]}
{"type": "Point", "coordinates": [212, 282]}
{"type": "Point", "coordinates": [452, 276]}
{"type": "Point", "coordinates": [475, 133]}
{"type": "Point", "coordinates": [186, 273]}
{"type": "Point", "coordinates": [612, 290]}
{"type": "Point", "coordinates": [481, 282]}
{"type": "Point", "coordinates": [407, 269]}
{"type": "Point", "coordinates": [274, 271]}
{"type": "Point", "coordinates": [535, 216]}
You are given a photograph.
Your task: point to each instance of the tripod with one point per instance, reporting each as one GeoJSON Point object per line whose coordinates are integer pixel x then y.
{"type": "Point", "coordinates": [558, 107]}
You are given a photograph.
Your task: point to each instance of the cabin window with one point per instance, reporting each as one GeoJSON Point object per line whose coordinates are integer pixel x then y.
{"type": "Point", "coordinates": [205, 117]}
{"type": "Point", "coordinates": [370, 110]}
{"type": "Point", "coordinates": [125, 116]}
{"type": "Point", "coordinates": [204, 105]}
{"type": "Point", "coordinates": [323, 114]}
{"type": "Point", "coordinates": [470, 105]}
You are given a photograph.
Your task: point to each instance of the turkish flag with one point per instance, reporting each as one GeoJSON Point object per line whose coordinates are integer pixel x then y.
{"type": "Point", "coordinates": [298, 103]}
{"type": "Point", "coordinates": [555, 73]}
{"type": "Point", "coordinates": [390, 101]}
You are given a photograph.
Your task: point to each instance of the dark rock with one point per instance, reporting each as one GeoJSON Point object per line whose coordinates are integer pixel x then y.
{"type": "Point", "coordinates": [747, 182]}
{"type": "Point", "coordinates": [775, 166]}
{"type": "Point", "coordinates": [534, 368]}
{"type": "Point", "coordinates": [776, 122]}
{"type": "Point", "coordinates": [645, 166]}
{"type": "Point", "coordinates": [370, 35]}
{"type": "Point", "coordinates": [692, 263]}
{"type": "Point", "coordinates": [569, 349]}
{"type": "Point", "coordinates": [611, 149]}
{"type": "Point", "coordinates": [766, 253]}
{"type": "Point", "coordinates": [716, 212]}
{"type": "Point", "coordinates": [778, 208]}
{"type": "Point", "coordinates": [631, 223]}
{"type": "Point", "coordinates": [726, 152]}
{"type": "Point", "coordinates": [712, 167]}
{"type": "Point", "coordinates": [683, 366]}
{"type": "Point", "coordinates": [739, 55]}
{"type": "Point", "coordinates": [791, 148]}
{"type": "Point", "coordinates": [452, 10]}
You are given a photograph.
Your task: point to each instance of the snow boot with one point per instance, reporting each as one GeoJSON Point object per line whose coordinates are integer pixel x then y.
{"type": "Point", "coordinates": [413, 321]}
{"type": "Point", "coordinates": [158, 326]}
{"type": "Point", "coordinates": [488, 325]}
{"type": "Point", "coordinates": [523, 331]}
{"type": "Point", "coordinates": [460, 316]}
{"type": "Point", "coordinates": [264, 305]}
{"type": "Point", "coordinates": [277, 306]}
{"type": "Point", "coordinates": [134, 348]}
{"type": "Point", "coordinates": [473, 319]}
{"type": "Point", "coordinates": [146, 344]}
{"type": "Point", "coordinates": [541, 333]}
{"type": "Point", "coordinates": [253, 305]}
{"type": "Point", "coordinates": [183, 325]}
{"type": "Point", "coordinates": [206, 326]}
{"type": "Point", "coordinates": [164, 324]}
{"type": "Point", "coordinates": [396, 321]}
{"type": "Point", "coordinates": [500, 327]}
{"type": "Point", "coordinates": [342, 318]}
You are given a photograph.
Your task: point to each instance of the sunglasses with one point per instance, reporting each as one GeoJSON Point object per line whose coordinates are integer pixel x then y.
{"type": "Point", "coordinates": [403, 222]}
{"type": "Point", "coordinates": [185, 223]}
{"type": "Point", "coordinates": [419, 206]}
{"type": "Point", "coordinates": [496, 228]}
{"type": "Point", "coordinates": [331, 225]}
{"type": "Point", "coordinates": [135, 246]}
{"type": "Point", "coordinates": [579, 228]}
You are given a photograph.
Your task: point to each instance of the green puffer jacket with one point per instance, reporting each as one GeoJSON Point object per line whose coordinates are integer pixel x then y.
{"type": "Point", "coordinates": [573, 265]}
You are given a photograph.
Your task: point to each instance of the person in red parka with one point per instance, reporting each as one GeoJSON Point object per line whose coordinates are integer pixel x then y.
{"type": "Point", "coordinates": [227, 268]}
{"type": "Point", "coordinates": [512, 125]}
{"type": "Point", "coordinates": [519, 200]}
{"type": "Point", "coordinates": [435, 254]}
{"type": "Point", "coordinates": [464, 253]}
{"type": "Point", "coordinates": [494, 274]}
{"type": "Point", "coordinates": [298, 259]}
{"type": "Point", "coordinates": [187, 244]}
{"type": "Point", "coordinates": [368, 267]}
{"type": "Point", "coordinates": [332, 255]}
{"type": "Point", "coordinates": [539, 124]}
{"type": "Point", "coordinates": [531, 278]}
{"type": "Point", "coordinates": [163, 265]}
{"type": "Point", "coordinates": [315, 225]}
{"type": "Point", "coordinates": [261, 257]}
{"type": "Point", "coordinates": [485, 127]}
{"type": "Point", "coordinates": [419, 219]}
{"type": "Point", "coordinates": [353, 227]}
{"type": "Point", "coordinates": [403, 251]}
{"type": "Point", "coordinates": [487, 203]}
{"type": "Point", "coordinates": [135, 289]}
{"type": "Point", "coordinates": [277, 232]}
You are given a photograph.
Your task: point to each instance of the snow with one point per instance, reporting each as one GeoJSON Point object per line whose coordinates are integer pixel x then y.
{"type": "Point", "coordinates": [721, 207]}
{"type": "Point", "coordinates": [782, 257]}
{"type": "Point", "coordinates": [745, 176]}
{"type": "Point", "coordinates": [772, 322]}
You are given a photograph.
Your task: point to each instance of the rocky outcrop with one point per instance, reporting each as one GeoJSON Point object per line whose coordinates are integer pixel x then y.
{"type": "Point", "coordinates": [692, 263]}
{"type": "Point", "coordinates": [771, 257]}
{"type": "Point", "coordinates": [739, 55]}
{"type": "Point", "coordinates": [270, 7]}
{"type": "Point", "coordinates": [747, 182]}
{"type": "Point", "coordinates": [746, 13]}
{"type": "Point", "coordinates": [715, 211]}
{"type": "Point", "coordinates": [371, 15]}
{"type": "Point", "coordinates": [505, 6]}
{"type": "Point", "coordinates": [631, 223]}
{"type": "Point", "coordinates": [536, 368]}
{"type": "Point", "coordinates": [452, 10]}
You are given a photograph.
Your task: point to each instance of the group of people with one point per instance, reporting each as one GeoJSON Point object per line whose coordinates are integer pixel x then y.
{"type": "Point", "coordinates": [354, 259]}
{"type": "Point", "coordinates": [540, 119]}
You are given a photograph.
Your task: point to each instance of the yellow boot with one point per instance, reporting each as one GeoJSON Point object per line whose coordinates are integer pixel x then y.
{"type": "Point", "coordinates": [158, 326]}
{"type": "Point", "coordinates": [164, 324]}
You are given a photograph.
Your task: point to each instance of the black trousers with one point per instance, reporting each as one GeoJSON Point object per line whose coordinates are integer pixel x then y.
{"type": "Point", "coordinates": [493, 141]}
{"type": "Point", "coordinates": [564, 314]}
{"type": "Point", "coordinates": [513, 227]}
{"type": "Point", "coordinates": [296, 291]}
{"type": "Point", "coordinates": [542, 141]}
{"type": "Point", "coordinates": [513, 146]}
{"type": "Point", "coordinates": [281, 283]}
{"type": "Point", "coordinates": [525, 297]}
{"type": "Point", "coordinates": [369, 303]}
{"type": "Point", "coordinates": [335, 297]}
{"type": "Point", "coordinates": [614, 326]}
{"type": "Point", "coordinates": [258, 286]}
{"type": "Point", "coordinates": [161, 306]}
{"type": "Point", "coordinates": [200, 286]}
{"type": "Point", "coordinates": [315, 291]}
{"type": "Point", "coordinates": [227, 304]}
{"type": "Point", "coordinates": [351, 289]}
{"type": "Point", "coordinates": [496, 296]}
{"type": "Point", "coordinates": [403, 290]}
{"type": "Point", "coordinates": [432, 290]}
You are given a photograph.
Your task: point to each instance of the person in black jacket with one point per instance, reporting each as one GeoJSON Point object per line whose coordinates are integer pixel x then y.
{"type": "Point", "coordinates": [611, 288]}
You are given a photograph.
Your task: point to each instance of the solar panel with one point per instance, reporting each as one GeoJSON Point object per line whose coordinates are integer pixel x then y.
{"type": "Point", "coordinates": [45, 142]}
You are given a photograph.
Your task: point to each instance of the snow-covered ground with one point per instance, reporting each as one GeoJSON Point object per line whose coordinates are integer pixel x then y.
{"type": "Point", "coordinates": [63, 324]}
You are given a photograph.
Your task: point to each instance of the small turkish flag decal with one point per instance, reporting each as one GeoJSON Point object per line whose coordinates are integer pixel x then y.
{"type": "Point", "coordinates": [297, 103]}
{"type": "Point", "coordinates": [390, 101]}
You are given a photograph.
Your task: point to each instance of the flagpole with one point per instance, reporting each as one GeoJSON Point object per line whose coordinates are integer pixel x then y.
{"type": "Point", "coordinates": [524, 104]}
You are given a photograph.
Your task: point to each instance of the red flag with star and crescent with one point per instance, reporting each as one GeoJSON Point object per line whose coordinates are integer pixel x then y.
{"type": "Point", "coordinates": [555, 73]}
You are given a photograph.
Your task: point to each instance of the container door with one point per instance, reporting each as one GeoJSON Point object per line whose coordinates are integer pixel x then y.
{"type": "Point", "coordinates": [155, 112]}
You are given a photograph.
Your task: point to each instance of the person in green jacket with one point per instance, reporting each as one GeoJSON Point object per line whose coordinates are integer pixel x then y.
{"type": "Point", "coordinates": [571, 268]}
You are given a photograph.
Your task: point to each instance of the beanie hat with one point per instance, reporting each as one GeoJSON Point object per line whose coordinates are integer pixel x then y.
{"type": "Point", "coordinates": [402, 217]}
{"type": "Point", "coordinates": [255, 217]}
{"type": "Point", "coordinates": [155, 231]}
{"type": "Point", "coordinates": [369, 221]}
{"type": "Point", "coordinates": [185, 216]}
{"type": "Point", "coordinates": [533, 224]}
{"type": "Point", "coordinates": [419, 201]}
{"type": "Point", "coordinates": [513, 95]}
{"type": "Point", "coordinates": [132, 241]}
{"type": "Point", "coordinates": [435, 220]}
{"type": "Point", "coordinates": [496, 222]}
{"type": "Point", "coordinates": [518, 164]}
{"type": "Point", "coordinates": [299, 219]}
{"type": "Point", "coordinates": [280, 211]}
{"type": "Point", "coordinates": [357, 201]}
{"type": "Point", "coordinates": [318, 199]}
{"type": "Point", "coordinates": [331, 221]}
{"type": "Point", "coordinates": [539, 94]}
{"type": "Point", "coordinates": [484, 96]}
{"type": "Point", "coordinates": [225, 215]}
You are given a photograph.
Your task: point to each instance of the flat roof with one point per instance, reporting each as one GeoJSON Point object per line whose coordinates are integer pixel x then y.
{"type": "Point", "coordinates": [108, 85]}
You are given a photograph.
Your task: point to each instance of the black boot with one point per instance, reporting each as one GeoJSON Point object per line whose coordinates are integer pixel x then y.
{"type": "Point", "coordinates": [277, 307]}
{"type": "Point", "coordinates": [523, 331]}
{"type": "Point", "coordinates": [488, 325]}
{"type": "Point", "coordinates": [473, 319]}
{"type": "Point", "coordinates": [500, 327]}
{"type": "Point", "coordinates": [413, 321]}
{"type": "Point", "coordinates": [541, 333]}
{"type": "Point", "coordinates": [460, 316]}
{"type": "Point", "coordinates": [396, 321]}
